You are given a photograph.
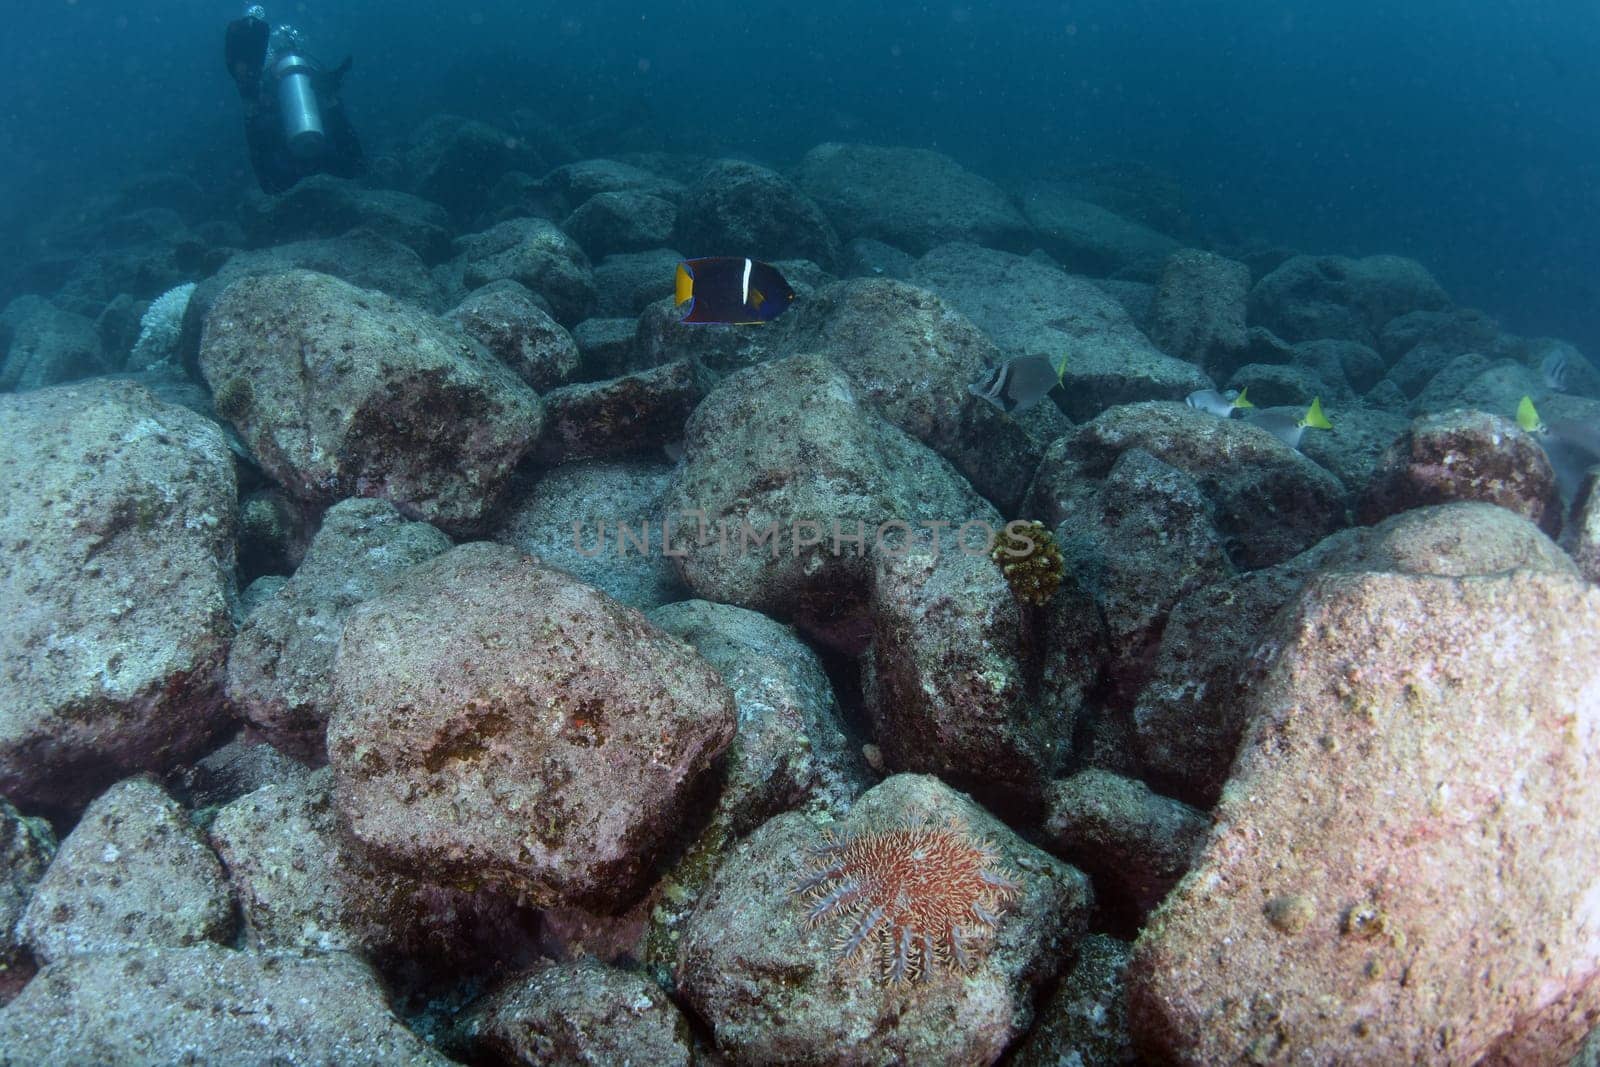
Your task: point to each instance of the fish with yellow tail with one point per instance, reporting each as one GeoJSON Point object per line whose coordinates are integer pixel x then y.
{"type": "Point", "coordinates": [1222, 405]}
{"type": "Point", "coordinates": [1528, 416]}
{"type": "Point", "coordinates": [1573, 448]}
{"type": "Point", "coordinates": [1287, 426]}
{"type": "Point", "coordinates": [1019, 383]}
{"type": "Point", "coordinates": [730, 290]}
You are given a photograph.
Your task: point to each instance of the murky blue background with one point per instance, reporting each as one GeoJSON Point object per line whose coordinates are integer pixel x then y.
{"type": "Point", "coordinates": [1462, 132]}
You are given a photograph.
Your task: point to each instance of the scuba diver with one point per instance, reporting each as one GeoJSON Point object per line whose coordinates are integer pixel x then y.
{"type": "Point", "coordinates": [294, 120]}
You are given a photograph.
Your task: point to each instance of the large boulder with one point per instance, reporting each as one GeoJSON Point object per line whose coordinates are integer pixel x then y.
{"type": "Point", "coordinates": [536, 254]}
{"type": "Point", "coordinates": [1029, 308]}
{"type": "Point", "coordinates": [911, 356]}
{"type": "Point", "coordinates": [279, 667]}
{"type": "Point", "coordinates": [626, 283]}
{"type": "Point", "coordinates": [1090, 239]}
{"type": "Point", "coordinates": [913, 198]}
{"type": "Point", "coordinates": [339, 392]}
{"type": "Point", "coordinates": [26, 847]}
{"type": "Point", "coordinates": [1132, 841]}
{"type": "Point", "coordinates": [148, 1007]}
{"type": "Point", "coordinates": [626, 415]}
{"type": "Point", "coordinates": [507, 320]}
{"type": "Point", "coordinates": [1188, 720]}
{"type": "Point", "coordinates": [577, 1013]}
{"type": "Point", "coordinates": [791, 485]}
{"type": "Point", "coordinates": [599, 521]}
{"type": "Point", "coordinates": [774, 987]}
{"type": "Point", "coordinates": [302, 885]}
{"type": "Point", "coordinates": [1138, 545]}
{"type": "Point", "coordinates": [1267, 499]}
{"type": "Point", "coordinates": [1309, 297]}
{"type": "Point", "coordinates": [621, 221]}
{"type": "Point", "coordinates": [361, 257]}
{"type": "Point", "coordinates": [42, 345]}
{"type": "Point", "coordinates": [456, 161]}
{"type": "Point", "coordinates": [1465, 455]}
{"type": "Point", "coordinates": [324, 206]}
{"type": "Point", "coordinates": [946, 684]}
{"type": "Point", "coordinates": [116, 584]}
{"type": "Point", "coordinates": [791, 750]}
{"type": "Point", "coordinates": [1198, 313]}
{"type": "Point", "coordinates": [740, 208]}
{"type": "Point", "coordinates": [133, 873]}
{"type": "Point", "coordinates": [571, 184]}
{"type": "Point", "coordinates": [553, 750]}
{"type": "Point", "coordinates": [1390, 877]}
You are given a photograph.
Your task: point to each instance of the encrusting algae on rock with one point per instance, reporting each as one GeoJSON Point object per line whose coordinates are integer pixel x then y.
{"type": "Point", "coordinates": [921, 894]}
{"type": "Point", "coordinates": [1028, 556]}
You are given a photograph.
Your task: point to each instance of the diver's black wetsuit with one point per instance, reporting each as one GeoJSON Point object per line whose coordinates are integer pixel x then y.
{"type": "Point", "coordinates": [276, 167]}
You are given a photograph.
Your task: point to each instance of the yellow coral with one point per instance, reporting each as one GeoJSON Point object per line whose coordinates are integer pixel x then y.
{"type": "Point", "coordinates": [1027, 555]}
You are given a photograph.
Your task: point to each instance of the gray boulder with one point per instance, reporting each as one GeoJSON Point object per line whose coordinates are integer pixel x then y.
{"type": "Point", "coordinates": [507, 320]}
{"type": "Point", "coordinates": [539, 256]}
{"type": "Point", "coordinates": [601, 522]}
{"type": "Point", "coordinates": [772, 986]}
{"type": "Point", "coordinates": [946, 683]}
{"type": "Point", "coordinates": [1084, 1022]}
{"type": "Point", "coordinates": [324, 206]}
{"type": "Point", "coordinates": [116, 585]}
{"type": "Point", "coordinates": [279, 667]}
{"type": "Point", "coordinates": [572, 184]}
{"type": "Point", "coordinates": [740, 208]}
{"type": "Point", "coordinates": [621, 221]}
{"type": "Point", "coordinates": [911, 356]}
{"type": "Point", "coordinates": [1139, 544]}
{"type": "Point", "coordinates": [626, 415]}
{"type": "Point", "coordinates": [26, 847]}
{"type": "Point", "coordinates": [1378, 828]}
{"type": "Point", "coordinates": [158, 1006]}
{"type": "Point", "coordinates": [133, 873]}
{"type": "Point", "coordinates": [456, 161]}
{"type": "Point", "coordinates": [1029, 308]}
{"type": "Point", "coordinates": [577, 1013]}
{"type": "Point", "coordinates": [555, 748]}
{"type": "Point", "coordinates": [1198, 313]}
{"type": "Point", "coordinates": [605, 346]}
{"type": "Point", "coordinates": [628, 282]}
{"type": "Point", "coordinates": [1311, 297]}
{"type": "Point", "coordinates": [912, 198]}
{"type": "Point", "coordinates": [1267, 499]}
{"type": "Point", "coordinates": [302, 885]}
{"type": "Point", "coordinates": [799, 484]}
{"type": "Point", "coordinates": [790, 750]}
{"type": "Point", "coordinates": [42, 345]}
{"type": "Point", "coordinates": [1090, 239]}
{"type": "Point", "coordinates": [339, 392]}
{"type": "Point", "coordinates": [1135, 844]}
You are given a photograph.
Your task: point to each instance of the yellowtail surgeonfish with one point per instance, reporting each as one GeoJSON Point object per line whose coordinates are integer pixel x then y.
{"type": "Point", "coordinates": [1286, 426]}
{"type": "Point", "coordinates": [1019, 383]}
{"type": "Point", "coordinates": [731, 290]}
{"type": "Point", "coordinates": [1222, 405]}
{"type": "Point", "coordinates": [1572, 447]}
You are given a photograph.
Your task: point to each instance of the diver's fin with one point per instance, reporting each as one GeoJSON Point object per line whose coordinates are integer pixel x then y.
{"type": "Point", "coordinates": [245, 52]}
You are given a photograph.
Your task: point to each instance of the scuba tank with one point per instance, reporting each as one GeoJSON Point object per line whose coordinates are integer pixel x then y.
{"type": "Point", "coordinates": [297, 102]}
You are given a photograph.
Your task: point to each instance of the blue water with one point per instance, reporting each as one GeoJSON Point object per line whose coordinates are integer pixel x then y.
{"type": "Point", "coordinates": [1461, 132]}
